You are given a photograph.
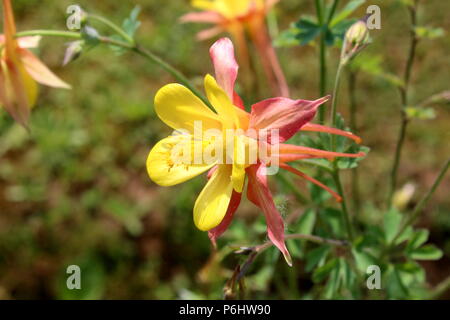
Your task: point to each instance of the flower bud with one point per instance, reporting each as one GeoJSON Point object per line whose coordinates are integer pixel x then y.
{"type": "Point", "coordinates": [356, 38]}
{"type": "Point", "coordinates": [357, 34]}
{"type": "Point", "coordinates": [73, 51]}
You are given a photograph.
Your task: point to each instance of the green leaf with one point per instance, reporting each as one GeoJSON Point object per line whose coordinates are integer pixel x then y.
{"type": "Point", "coordinates": [318, 194]}
{"type": "Point", "coordinates": [427, 252]}
{"type": "Point", "coordinates": [351, 163]}
{"type": "Point", "coordinates": [329, 37]}
{"type": "Point", "coordinates": [372, 64]}
{"type": "Point", "coordinates": [350, 7]}
{"type": "Point", "coordinates": [419, 238]}
{"type": "Point", "coordinates": [408, 3]}
{"type": "Point", "coordinates": [395, 287]}
{"type": "Point", "coordinates": [307, 30]}
{"type": "Point", "coordinates": [333, 218]}
{"type": "Point", "coordinates": [412, 275]}
{"type": "Point", "coordinates": [294, 248]}
{"type": "Point", "coordinates": [316, 257]}
{"type": "Point", "coordinates": [333, 282]}
{"type": "Point", "coordinates": [420, 113]}
{"type": "Point", "coordinates": [301, 32]}
{"type": "Point", "coordinates": [306, 222]}
{"type": "Point", "coordinates": [341, 28]}
{"type": "Point", "coordinates": [322, 272]}
{"type": "Point", "coordinates": [363, 259]}
{"type": "Point", "coordinates": [405, 235]}
{"type": "Point", "coordinates": [287, 38]}
{"type": "Point", "coordinates": [429, 32]}
{"type": "Point", "coordinates": [131, 24]}
{"type": "Point", "coordinates": [392, 220]}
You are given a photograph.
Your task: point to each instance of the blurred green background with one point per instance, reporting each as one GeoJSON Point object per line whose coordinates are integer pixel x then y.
{"type": "Point", "coordinates": [75, 190]}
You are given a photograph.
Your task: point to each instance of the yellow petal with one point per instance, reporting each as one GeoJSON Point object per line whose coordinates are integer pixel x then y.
{"type": "Point", "coordinates": [171, 160]}
{"type": "Point", "coordinates": [221, 103]}
{"type": "Point", "coordinates": [212, 203]}
{"type": "Point", "coordinates": [203, 4]}
{"type": "Point", "coordinates": [179, 108]}
{"type": "Point", "coordinates": [18, 91]}
{"type": "Point", "coordinates": [39, 71]}
{"type": "Point", "coordinates": [239, 160]}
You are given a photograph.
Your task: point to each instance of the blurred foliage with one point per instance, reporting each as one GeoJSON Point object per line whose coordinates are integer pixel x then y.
{"type": "Point", "coordinates": [75, 189]}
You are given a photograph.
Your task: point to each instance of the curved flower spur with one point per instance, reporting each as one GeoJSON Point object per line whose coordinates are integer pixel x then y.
{"type": "Point", "coordinates": [269, 124]}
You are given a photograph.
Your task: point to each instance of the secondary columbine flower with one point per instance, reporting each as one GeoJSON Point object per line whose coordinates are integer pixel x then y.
{"type": "Point", "coordinates": [200, 138]}
{"type": "Point", "coordinates": [237, 17]}
{"type": "Point", "coordinates": [20, 69]}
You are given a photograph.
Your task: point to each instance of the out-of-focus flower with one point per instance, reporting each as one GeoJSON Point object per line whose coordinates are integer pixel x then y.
{"type": "Point", "coordinates": [403, 196]}
{"type": "Point", "coordinates": [356, 38]}
{"type": "Point", "coordinates": [238, 17]}
{"type": "Point", "coordinates": [20, 69]}
{"type": "Point", "coordinates": [270, 123]}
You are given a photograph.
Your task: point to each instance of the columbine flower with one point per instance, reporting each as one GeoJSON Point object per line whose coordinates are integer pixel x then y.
{"type": "Point", "coordinates": [238, 17]}
{"type": "Point", "coordinates": [20, 69]}
{"type": "Point", "coordinates": [180, 109]}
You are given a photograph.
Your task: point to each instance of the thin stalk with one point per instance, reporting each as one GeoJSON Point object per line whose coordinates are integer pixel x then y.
{"type": "Point", "coordinates": [353, 125]}
{"type": "Point", "coordinates": [324, 21]}
{"type": "Point", "coordinates": [253, 252]}
{"type": "Point", "coordinates": [323, 75]}
{"type": "Point", "coordinates": [52, 33]}
{"type": "Point", "coordinates": [322, 59]}
{"type": "Point", "coordinates": [418, 208]}
{"type": "Point", "coordinates": [352, 98]}
{"type": "Point", "coordinates": [332, 10]}
{"type": "Point", "coordinates": [129, 46]}
{"type": "Point", "coordinates": [337, 82]}
{"type": "Point", "coordinates": [111, 25]}
{"type": "Point", "coordinates": [404, 101]}
{"type": "Point", "coordinates": [335, 174]}
{"type": "Point", "coordinates": [346, 214]}
{"type": "Point", "coordinates": [171, 70]}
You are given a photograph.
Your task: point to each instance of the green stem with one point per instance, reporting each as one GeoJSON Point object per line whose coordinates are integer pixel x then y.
{"type": "Point", "coordinates": [111, 25]}
{"type": "Point", "coordinates": [52, 33]}
{"type": "Point", "coordinates": [352, 98]}
{"type": "Point", "coordinates": [171, 70]}
{"type": "Point", "coordinates": [332, 11]}
{"type": "Point", "coordinates": [404, 102]}
{"type": "Point", "coordinates": [323, 22]}
{"type": "Point", "coordinates": [346, 214]}
{"type": "Point", "coordinates": [353, 125]}
{"type": "Point", "coordinates": [335, 173]}
{"type": "Point", "coordinates": [322, 58]}
{"type": "Point", "coordinates": [337, 82]}
{"type": "Point", "coordinates": [323, 75]}
{"type": "Point", "coordinates": [418, 208]}
{"type": "Point", "coordinates": [129, 46]}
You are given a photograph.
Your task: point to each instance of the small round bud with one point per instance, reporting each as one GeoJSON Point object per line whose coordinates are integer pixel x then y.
{"type": "Point", "coordinates": [357, 34]}
{"type": "Point", "coordinates": [356, 38]}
